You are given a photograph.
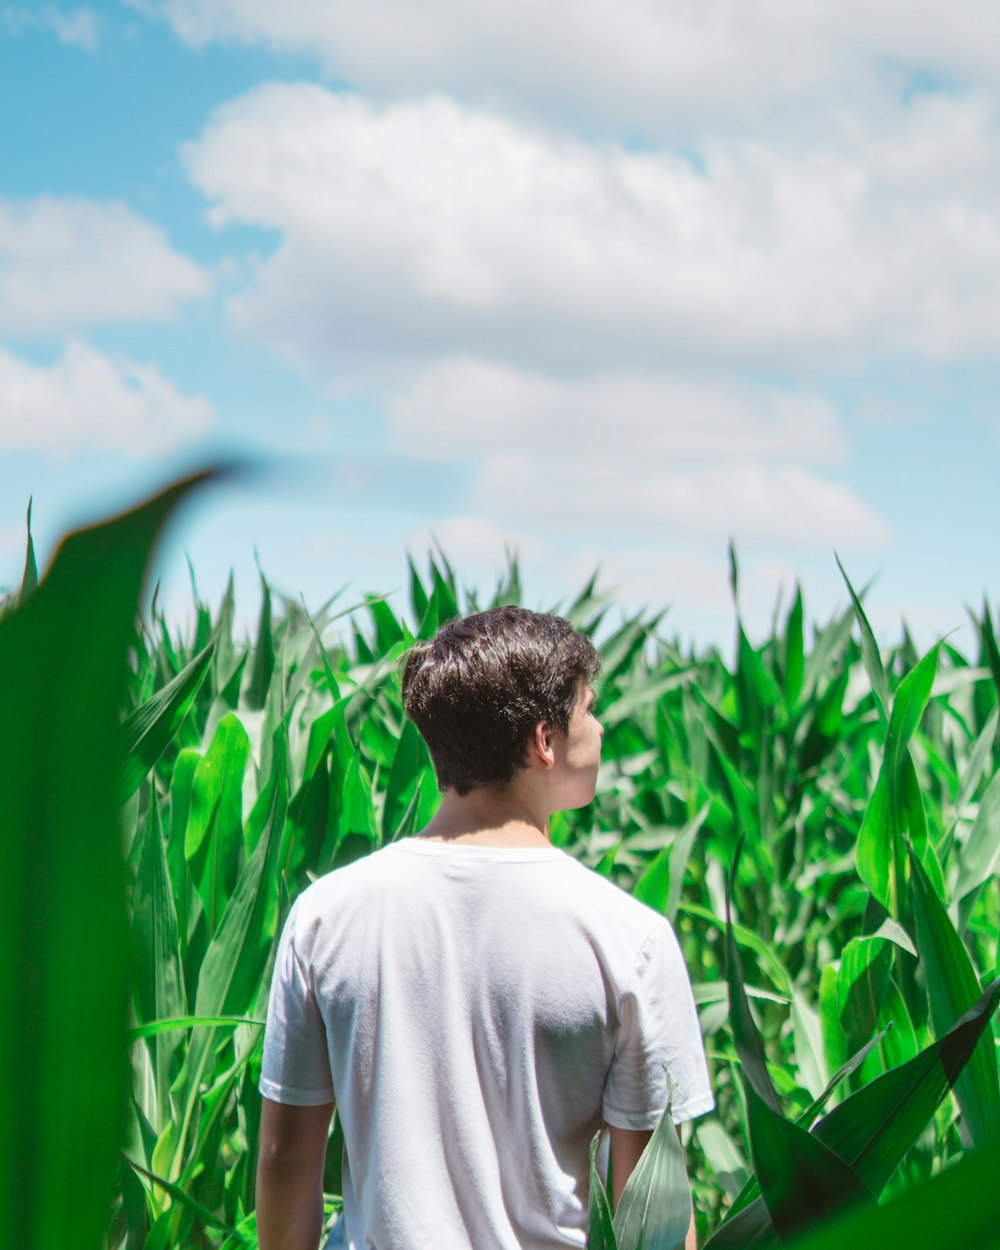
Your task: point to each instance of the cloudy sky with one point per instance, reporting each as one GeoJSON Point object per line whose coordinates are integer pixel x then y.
{"type": "Point", "coordinates": [605, 283]}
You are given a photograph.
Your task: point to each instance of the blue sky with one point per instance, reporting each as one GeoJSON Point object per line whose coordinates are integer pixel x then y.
{"type": "Point", "coordinates": [608, 287]}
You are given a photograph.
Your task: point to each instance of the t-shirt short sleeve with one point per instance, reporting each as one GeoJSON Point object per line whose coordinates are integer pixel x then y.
{"type": "Point", "coordinates": [658, 1035]}
{"type": "Point", "coordinates": [295, 1068]}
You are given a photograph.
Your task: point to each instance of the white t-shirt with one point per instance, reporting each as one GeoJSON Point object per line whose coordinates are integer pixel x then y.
{"type": "Point", "coordinates": [476, 1012]}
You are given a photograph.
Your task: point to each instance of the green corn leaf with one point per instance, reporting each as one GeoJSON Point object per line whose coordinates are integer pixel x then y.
{"type": "Point", "coordinates": [723, 1156]}
{"type": "Point", "coordinates": [896, 805]}
{"type": "Point", "coordinates": [874, 1128]}
{"type": "Point", "coordinates": [410, 760]}
{"type": "Point", "coordinates": [747, 1039]}
{"type": "Point", "coordinates": [63, 978]}
{"type": "Point", "coordinates": [418, 595]}
{"type": "Point", "coordinates": [980, 856]}
{"type": "Point", "coordinates": [750, 1190]}
{"type": "Point", "coordinates": [794, 651]}
{"type": "Point", "coordinates": [843, 1072]}
{"type": "Point", "coordinates": [798, 1175]}
{"type": "Point", "coordinates": [230, 971]}
{"type": "Point", "coordinates": [660, 885]}
{"type": "Point", "coordinates": [178, 1023]}
{"type": "Point", "coordinates": [861, 985]}
{"type": "Point", "coordinates": [151, 726]}
{"type": "Point", "coordinates": [180, 1195]}
{"type": "Point", "coordinates": [230, 974]}
{"type": "Point", "coordinates": [214, 836]}
{"type": "Point", "coordinates": [953, 987]}
{"type": "Point", "coordinates": [654, 1211]}
{"type": "Point", "coordinates": [869, 650]}
{"type": "Point", "coordinates": [989, 640]}
{"type": "Point", "coordinates": [956, 1210]}
{"type": "Point", "coordinates": [29, 579]}
{"type": "Point", "coordinates": [159, 977]}
{"type": "Point", "coordinates": [358, 811]}
{"type": "Point", "coordinates": [879, 847]}
{"type": "Point", "coordinates": [908, 708]}
{"type": "Point", "coordinates": [801, 1180]}
{"type": "Point", "coordinates": [388, 630]}
{"type": "Point", "coordinates": [262, 668]}
{"type": "Point", "coordinates": [600, 1228]}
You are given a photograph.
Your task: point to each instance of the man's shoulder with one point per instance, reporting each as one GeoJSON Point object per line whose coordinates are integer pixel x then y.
{"type": "Point", "coordinates": [609, 905]}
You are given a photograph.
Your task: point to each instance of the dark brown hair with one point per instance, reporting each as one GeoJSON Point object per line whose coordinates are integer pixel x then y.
{"type": "Point", "coordinates": [477, 690]}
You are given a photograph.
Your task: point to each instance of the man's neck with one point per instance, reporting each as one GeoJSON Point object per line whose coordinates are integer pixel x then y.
{"type": "Point", "coordinates": [489, 818]}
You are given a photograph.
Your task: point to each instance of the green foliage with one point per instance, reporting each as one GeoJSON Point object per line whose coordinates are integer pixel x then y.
{"type": "Point", "coordinates": [852, 981]}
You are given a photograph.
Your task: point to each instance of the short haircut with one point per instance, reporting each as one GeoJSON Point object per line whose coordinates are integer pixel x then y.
{"type": "Point", "coordinates": [479, 687]}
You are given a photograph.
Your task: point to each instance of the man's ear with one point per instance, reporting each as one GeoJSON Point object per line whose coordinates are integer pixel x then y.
{"type": "Point", "coordinates": [541, 744]}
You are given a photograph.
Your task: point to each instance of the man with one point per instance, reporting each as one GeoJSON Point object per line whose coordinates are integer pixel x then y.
{"type": "Point", "coordinates": [474, 1001]}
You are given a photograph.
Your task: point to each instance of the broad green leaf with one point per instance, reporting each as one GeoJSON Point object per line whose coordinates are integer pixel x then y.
{"type": "Point", "coordinates": [956, 1210]}
{"type": "Point", "coordinates": [214, 835]}
{"type": "Point", "coordinates": [861, 984]}
{"type": "Point", "coordinates": [874, 1128]}
{"type": "Point", "coordinates": [908, 708]}
{"type": "Point", "coordinates": [880, 849]}
{"type": "Point", "coordinates": [953, 987]}
{"type": "Point", "coordinates": [654, 1211]}
{"type": "Point", "coordinates": [801, 1180]}
{"type": "Point", "coordinates": [660, 885]}
{"type": "Point", "coordinates": [149, 728]}
{"type": "Point", "coordinates": [410, 760]}
{"type": "Point", "coordinates": [358, 811]}
{"type": "Point", "coordinates": [62, 924]}
{"type": "Point", "coordinates": [231, 970]}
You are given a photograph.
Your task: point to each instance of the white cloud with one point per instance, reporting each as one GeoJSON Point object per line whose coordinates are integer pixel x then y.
{"type": "Point", "coordinates": [466, 405]}
{"type": "Point", "coordinates": [67, 263]}
{"type": "Point", "coordinates": [473, 543]}
{"type": "Point", "coordinates": [88, 400]}
{"type": "Point", "coordinates": [76, 28]}
{"type": "Point", "coordinates": [779, 504]}
{"type": "Point", "coordinates": [424, 227]}
{"type": "Point", "coordinates": [681, 457]}
{"type": "Point", "coordinates": [662, 66]}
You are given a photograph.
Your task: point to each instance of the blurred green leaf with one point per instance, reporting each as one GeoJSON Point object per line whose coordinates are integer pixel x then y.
{"type": "Point", "coordinates": [62, 683]}
{"type": "Point", "coordinates": [954, 1211]}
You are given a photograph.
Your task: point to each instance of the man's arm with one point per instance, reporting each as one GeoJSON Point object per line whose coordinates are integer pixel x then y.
{"type": "Point", "coordinates": [627, 1145]}
{"type": "Point", "coordinates": [290, 1175]}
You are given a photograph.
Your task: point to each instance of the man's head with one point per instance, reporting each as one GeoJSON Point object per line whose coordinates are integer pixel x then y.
{"type": "Point", "coordinates": [480, 687]}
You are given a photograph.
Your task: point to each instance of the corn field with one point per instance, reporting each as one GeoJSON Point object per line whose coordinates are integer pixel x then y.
{"type": "Point", "coordinates": [820, 820]}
